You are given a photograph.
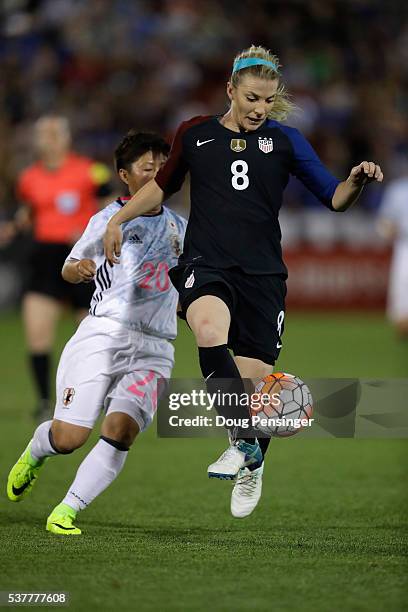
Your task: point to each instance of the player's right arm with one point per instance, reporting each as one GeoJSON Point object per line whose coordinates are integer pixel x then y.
{"type": "Point", "coordinates": [21, 222]}
{"type": "Point", "coordinates": [81, 264]}
{"type": "Point", "coordinates": [23, 217]}
{"type": "Point", "coordinates": [168, 180]}
{"type": "Point", "coordinates": [79, 271]}
{"type": "Point", "coordinates": [147, 198]}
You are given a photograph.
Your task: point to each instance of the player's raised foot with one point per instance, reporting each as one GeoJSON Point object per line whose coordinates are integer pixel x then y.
{"type": "Point", "coordinates": [239, 455]}
{"type": "Point", "coordinates": [61, 521]}
{"type": "Point", "coordinates": [23, 475]}
{"type": "Point", "coordinates": [246, 492]}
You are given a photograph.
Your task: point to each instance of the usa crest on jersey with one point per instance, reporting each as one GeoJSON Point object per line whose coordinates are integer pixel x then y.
{"type": "Point", "coordinates": [265, 144]}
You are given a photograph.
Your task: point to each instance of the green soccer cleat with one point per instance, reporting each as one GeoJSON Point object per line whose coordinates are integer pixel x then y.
{"type": "Point", "coordinates": [61, 520]}
{"type": "Point", "coordinates": [23, 475]}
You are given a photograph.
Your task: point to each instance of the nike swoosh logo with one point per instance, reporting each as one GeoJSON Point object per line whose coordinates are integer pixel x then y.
{"type": "Point", "coordinates": [62, 527]}
{"type": "Point", "coordinates": [279, 345]}
{"type": "Point", "coordinates": [209, 376]}
{"type": "Point", "coordinates": [19, 490]}
{"type": "Point", "coordinates": [199, 144]}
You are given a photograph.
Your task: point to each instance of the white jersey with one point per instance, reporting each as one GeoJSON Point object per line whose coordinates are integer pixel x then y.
{"type": "Point", "coordinates": [137, 292]}
{"type": "Point", "coordinates": [394, 208]}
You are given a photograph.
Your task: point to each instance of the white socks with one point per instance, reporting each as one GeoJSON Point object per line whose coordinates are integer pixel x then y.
{"type": "Point", "coordinates": [99, 468]}
{"type": "Point", "coordinates": [41, 447]}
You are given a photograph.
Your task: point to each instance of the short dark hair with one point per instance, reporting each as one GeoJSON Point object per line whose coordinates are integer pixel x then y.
{"type": "Point", "coordinates": [135, 144]}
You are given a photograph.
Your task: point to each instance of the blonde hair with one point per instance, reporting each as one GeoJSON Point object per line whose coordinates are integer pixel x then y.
{"type": "Point", "coordinates": [282, 105]}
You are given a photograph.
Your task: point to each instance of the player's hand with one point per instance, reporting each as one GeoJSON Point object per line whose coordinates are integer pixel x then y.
{"type": "Point", "coordinates": [366, 172]}
{"type": "Point", "coordinates": [86, 269]}
{"type": "Point", "coordinates": [112, 243]}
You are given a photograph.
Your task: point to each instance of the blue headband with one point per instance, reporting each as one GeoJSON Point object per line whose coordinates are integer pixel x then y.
{"type": "Point", "coordinates": [247, 62]}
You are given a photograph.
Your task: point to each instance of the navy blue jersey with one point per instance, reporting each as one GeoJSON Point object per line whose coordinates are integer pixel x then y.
{"type": "Point", "coordinates": [237, 183]}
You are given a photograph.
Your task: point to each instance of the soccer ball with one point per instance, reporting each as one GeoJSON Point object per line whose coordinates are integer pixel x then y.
{"type": "Point", "coordinates": [280, 405]}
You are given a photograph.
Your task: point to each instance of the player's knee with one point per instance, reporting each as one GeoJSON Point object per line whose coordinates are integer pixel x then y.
{"type": "Point", "coordinates": [208, 334]}
{"type": "Point", "coordinates": [65, 438]}
{"type": "Point", "coordinates": [120, 428]}
{"type": "Point", "coordinates": [64, 443]}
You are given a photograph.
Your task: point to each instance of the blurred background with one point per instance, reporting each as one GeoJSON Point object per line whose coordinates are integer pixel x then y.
{"type": "Point", "coordinates": [333, 511]}
{"type": "Point", "coordinates": [109, 65]}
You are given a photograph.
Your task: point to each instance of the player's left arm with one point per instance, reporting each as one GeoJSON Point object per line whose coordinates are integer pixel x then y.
{"type": "Point", "coordinates": [348, 191]}
{"type": "Point", "coordinates": [387, 229]}
{"type": "Point", "coordinates": [392, 207]}
{"type": "Point", "coordinates": [308, 168]}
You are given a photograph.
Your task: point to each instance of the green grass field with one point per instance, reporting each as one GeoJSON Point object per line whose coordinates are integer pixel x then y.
{"type": "Point", "coordinates": [328, 534]}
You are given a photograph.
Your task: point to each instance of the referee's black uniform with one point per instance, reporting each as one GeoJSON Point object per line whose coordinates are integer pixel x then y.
{"type": "Point", "coordinates": [232, 247]}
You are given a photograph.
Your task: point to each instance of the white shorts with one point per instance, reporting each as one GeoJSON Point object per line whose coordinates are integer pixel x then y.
{"type": "Point", "coordinates": [397, 304]}
{"type": "Point", "coordinates": [106, 366]}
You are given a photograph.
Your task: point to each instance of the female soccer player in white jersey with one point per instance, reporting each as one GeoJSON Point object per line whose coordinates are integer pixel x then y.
{"type": "Point", "coordinates": [231, 276]}
{"type": "Point", "coordinates": [393, 225]}
{"type": "Point", "coordinates": [120, 351]}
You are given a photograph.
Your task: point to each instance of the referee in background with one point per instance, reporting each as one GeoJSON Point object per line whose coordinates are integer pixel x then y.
{"type": "Point", "coordinates": [58, 195]}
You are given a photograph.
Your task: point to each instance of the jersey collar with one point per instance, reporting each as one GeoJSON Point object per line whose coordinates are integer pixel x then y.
{"type": "Point", "coordinates": [241, 133]}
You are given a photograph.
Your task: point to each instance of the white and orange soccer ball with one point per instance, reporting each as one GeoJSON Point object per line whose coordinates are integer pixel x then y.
{"type": "Point", "coordinates": [281, 405]}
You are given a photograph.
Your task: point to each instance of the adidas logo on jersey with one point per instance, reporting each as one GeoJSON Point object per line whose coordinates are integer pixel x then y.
{"type": "Point", "coordinates": [135, 239]}
{"type": "Point", "coordinates": [190, 281]}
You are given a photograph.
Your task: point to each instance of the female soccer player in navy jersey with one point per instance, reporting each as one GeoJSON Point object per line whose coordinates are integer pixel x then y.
{"type": "Point", "coordinates": [231, 276]}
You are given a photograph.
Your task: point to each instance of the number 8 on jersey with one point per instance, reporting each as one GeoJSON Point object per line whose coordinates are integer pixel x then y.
{"type": "Point", "coordinates": [239, 169]}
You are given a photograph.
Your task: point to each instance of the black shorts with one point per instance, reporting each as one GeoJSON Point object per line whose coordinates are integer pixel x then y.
{"type": "Point", "coordinates": [256, 303]}
{"type": "Point", "coordinates": [44, 276]}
